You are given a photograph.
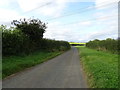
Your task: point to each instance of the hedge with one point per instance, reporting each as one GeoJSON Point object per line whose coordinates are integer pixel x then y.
{"type": "Point", "coordinates": [109, 44]}
{"type": "Point", "coordinates": [14, 42]}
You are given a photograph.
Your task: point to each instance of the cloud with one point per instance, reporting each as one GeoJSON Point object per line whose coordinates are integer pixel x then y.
{"type": "Point", "coordinates": [74, 32]}
{"type": "Point", "coordinates": [100, 4]}
{"type": "Point", "coordinates": [47, 7]}
{"type": "Point", "coordinates": [111, 32]}
{"type": "Point", "coordinates": [105, 28]}
{"type": "Point", "coordinates": [60, 33]}
{"type": "Point", "coordinates": [106, 8]}
{"type": "Point", "coordinates": [5, 2]}
{"type": "Point", "coordinates": [102, 29]}
{"type": "Point", "coordinates": [8, 15]}
{"type": "Point", "coordinates": [86, 23]}
{"type": "Point", "coordinates": [27, 5]}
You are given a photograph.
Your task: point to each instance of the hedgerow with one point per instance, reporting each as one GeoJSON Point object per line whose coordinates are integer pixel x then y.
{"type": "Point", "coordinates": [109, 44]}
{"type": "Point", "coordinates": [27, 37]}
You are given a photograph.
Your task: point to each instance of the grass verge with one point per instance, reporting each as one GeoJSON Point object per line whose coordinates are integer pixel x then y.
{"type": "Point", "coordinates": [101, 68]}
{"type": "Point", "coordinates": [14, 64]}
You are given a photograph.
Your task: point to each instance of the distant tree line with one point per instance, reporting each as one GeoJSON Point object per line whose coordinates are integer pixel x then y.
{"type": "Point", "coordinates": [109, 44]}
{"type": "Point", "coordinates": [27, 37]}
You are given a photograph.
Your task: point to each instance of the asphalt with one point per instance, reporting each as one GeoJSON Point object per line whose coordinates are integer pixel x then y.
{"type": "Point", "coordinates": [63, 71]}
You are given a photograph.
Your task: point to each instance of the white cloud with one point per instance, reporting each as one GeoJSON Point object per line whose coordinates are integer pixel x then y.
{"type": "Point", "coordinates": [5, 2]}
{"type": "Point", "coordinates": [60, 33]}
{"type": "Point", "coordinates": [74, 32]}
{"type": "Point", "coordinates": [47, 7]}
{"type": "Point", "coordinates": [86, 23]}
{"type": "Point", "coordinates": [27, 5]}
{"type": "Point", "coordinates": [105, 28]}
{"type": "Point", "coordinates": [111, 32]}
{"type": "Point", "coordinates": [8, 15]}
{"type": "Point", "coordinates": [103, 4]}
{"type": "Point", "coordinates": [106, 8]}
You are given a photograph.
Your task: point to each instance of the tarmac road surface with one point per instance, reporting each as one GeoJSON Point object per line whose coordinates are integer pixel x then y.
{"type": "Point", "coordinates": [63, 71]}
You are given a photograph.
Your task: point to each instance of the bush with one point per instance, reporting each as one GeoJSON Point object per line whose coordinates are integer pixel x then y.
{"type": "Point", "coordinates": [104, 45]}
{"type": "Point", "coordinates": [53, 45]}
{"type": "Point", "coordinates": [33, 28]}
{"type": "Point", "coordinates": [15, 42]}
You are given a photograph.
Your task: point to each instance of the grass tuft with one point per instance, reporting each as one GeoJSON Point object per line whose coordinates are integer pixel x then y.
{"type": "Point", "coordinates": [14, 64]}
{"type": "Point", "coordinates": [100, 67]}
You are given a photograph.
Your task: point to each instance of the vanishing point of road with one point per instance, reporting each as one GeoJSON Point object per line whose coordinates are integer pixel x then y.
{"type": "Point", "coordinates": [63, 71]}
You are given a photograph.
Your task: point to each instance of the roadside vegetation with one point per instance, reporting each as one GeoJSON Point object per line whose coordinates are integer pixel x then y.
{"type": "Point", "coordinates": [24, 46]}
{"type": "Point", "coordinates": [13, 64]}
{"type": "Point", "coordinates": [101, 67]}
{"type": "Point", "coordinates": [108, 45]}
{"type": "Point", "coordinates": [27, 37]}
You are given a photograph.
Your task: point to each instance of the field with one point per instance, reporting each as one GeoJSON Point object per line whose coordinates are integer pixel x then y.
{"type": "Point", "coordinates": [101, 68]}
{"type": "Point", "coordinates": [77, 44]}
{"type": "Point", "coordinates": [13, 64]}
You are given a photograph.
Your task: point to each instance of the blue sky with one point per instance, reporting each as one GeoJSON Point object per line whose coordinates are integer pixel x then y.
{"type": "Point", "coordinates": [70, 20]}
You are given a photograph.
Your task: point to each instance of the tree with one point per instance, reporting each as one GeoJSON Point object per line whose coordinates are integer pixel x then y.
{"type": "Point", "coordinates": [33, 28]}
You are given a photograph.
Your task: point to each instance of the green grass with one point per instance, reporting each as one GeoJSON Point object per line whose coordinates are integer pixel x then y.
{"type": "Point", "coordinates": [13, 64]}
{"type": "Point", "coordinates": [101, 68]}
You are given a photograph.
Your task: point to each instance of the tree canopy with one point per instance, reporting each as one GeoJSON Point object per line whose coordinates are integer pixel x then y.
{"type": "Point", "coordinates": [33, 28]}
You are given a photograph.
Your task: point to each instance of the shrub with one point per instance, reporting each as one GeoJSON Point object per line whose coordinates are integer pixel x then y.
{"type": "Point", "coordinates": [104, 45]}
{"type": "Point", "coordinates": [15, 42]}
{"type": "Point", "coordinates": [33, 28]}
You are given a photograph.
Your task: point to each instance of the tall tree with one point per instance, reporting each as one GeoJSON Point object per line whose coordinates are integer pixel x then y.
{"type": "Point", "coordinates": [33, 28]}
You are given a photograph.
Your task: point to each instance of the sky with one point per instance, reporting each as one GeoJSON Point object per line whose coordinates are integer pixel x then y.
{"type": "Point", "coordinates": [69, 20]}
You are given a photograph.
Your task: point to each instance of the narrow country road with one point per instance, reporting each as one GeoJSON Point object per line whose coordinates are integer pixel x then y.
{"type": "Point", "coordinates": [63, 71]}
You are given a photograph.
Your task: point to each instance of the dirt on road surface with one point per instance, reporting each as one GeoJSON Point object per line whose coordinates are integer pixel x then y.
{"type": "Point", "coordinates": [64, 71]}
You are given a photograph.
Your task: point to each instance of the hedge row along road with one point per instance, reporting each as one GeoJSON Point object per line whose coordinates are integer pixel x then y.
{"type": "Point", "coordinates": [64, 71]}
